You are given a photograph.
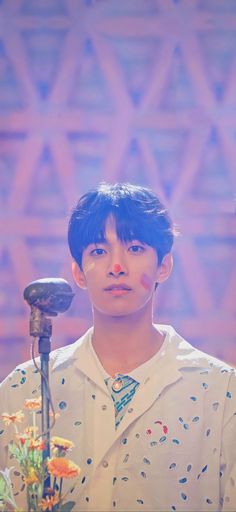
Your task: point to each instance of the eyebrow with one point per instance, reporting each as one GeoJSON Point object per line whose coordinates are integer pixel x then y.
{"type": "Point", "coordinates": [104, 241]}
{"type": "Point", "coordinates": [98, 242]}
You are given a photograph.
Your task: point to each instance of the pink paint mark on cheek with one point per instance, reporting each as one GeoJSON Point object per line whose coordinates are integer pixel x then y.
{"type": "Point", "coordinates": [146, 282]}
{"type": "Point", "coordinates": [117, 267]}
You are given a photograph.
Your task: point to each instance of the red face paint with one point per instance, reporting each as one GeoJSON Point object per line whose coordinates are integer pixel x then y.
{"type": "Point", "coordinates": [117, 267]}
{"type": "Point", "coordinates": [146, 281]}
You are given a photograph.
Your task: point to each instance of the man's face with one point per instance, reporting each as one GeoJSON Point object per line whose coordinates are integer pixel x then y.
{"type": "Point", "coordinates": [120, 277]}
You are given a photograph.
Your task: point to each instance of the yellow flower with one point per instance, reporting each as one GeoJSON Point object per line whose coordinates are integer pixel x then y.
{"type": "Point", "coordinates": [31, 431]}
{"type": "Point", "coordinates": [63, 468]}
{"type": "Point", "coordinates": [31, 478]}
{"type": "Point", "coordinates": [55, 415]}
{"type": "Point", "coordinates": [49, 502]}
{"type": "Point", "coordinates": [32, 404]}
{"type": "Point", "coordinates": [61, 444]}
{"type": "Point", "coordinates": [17, 417]}
{"type": "Point", "coordinates": [36, 444]}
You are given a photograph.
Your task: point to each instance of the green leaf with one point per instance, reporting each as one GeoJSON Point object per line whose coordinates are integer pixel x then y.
{"type": "Point", "coordinates": [2, 487]}
{"type": "Point", "coordinates": [67, 507]}
{"type": "Point", "coordinates": [5, 475]}
{"type": "Point", "coordinates": [6, 495]}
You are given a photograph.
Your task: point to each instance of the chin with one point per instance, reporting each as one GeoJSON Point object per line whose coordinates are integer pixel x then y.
{"type": "Point", "coordinates": [121, 312]}
{"type": "Point", "coordinates": [114, 314]}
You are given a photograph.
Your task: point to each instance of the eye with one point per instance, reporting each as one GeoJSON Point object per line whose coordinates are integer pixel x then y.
{"type": "Point", "coordinates": [98, 251]}
{"type": "Point", "coordinates": [136, 248]}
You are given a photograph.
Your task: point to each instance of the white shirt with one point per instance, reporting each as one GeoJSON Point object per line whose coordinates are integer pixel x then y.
{"type": "Point", "coordinates": [175, 448]}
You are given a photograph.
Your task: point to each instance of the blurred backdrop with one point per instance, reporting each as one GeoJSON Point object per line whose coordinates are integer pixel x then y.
{"type": "Point", "coordinates": [119, 90]}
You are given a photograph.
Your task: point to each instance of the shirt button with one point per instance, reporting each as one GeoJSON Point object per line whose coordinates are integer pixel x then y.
{"type": "Point", "coordinates": [130, 409]}
{"type": "Point", "coordinates": [104, 407]}
{"type": "Point", "coordinates": [105, 463]}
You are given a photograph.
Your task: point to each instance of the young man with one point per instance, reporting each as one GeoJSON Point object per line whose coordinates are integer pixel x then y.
{"type": "Point", "coordinates": [153, 420]}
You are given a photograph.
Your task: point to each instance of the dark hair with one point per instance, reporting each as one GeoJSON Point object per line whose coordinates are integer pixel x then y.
{"type": "Point", "coordinates": [138, 215]}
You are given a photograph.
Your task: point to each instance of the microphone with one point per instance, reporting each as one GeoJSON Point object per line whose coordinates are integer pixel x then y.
{"type": "Point", "coordinates": [51, 295]}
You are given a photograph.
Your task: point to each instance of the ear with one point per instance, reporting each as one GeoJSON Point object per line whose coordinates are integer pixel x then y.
{"type": "Point", "coordinates": [78, 275]}
{"type": "Point", "coordinates": [165, 268]}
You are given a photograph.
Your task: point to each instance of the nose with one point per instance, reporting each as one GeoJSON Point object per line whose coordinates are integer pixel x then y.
{"type": "Point", "coordinates": [117, 270]}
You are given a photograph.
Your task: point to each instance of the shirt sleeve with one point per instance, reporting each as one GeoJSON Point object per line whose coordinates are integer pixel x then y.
{"type": "Point", "coordinates": [228, 452]}
{"type": "Point", "coordinates": [20, 384]}
{"type": "Point", "coordinates": [5, 431]}
{"type": "Point", "coordinates": [16, 387]}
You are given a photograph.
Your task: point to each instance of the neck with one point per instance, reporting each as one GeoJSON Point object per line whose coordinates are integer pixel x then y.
{"type": "Point", "coordinates": [124, 343]}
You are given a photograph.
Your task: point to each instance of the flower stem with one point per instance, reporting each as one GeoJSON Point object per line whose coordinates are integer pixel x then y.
{"type": "Point", "coordinates": [60, 490]}
{"type": "Point", "coordinates": [34, 424]}
{"type": "Point", "coordinates": [54, 483]}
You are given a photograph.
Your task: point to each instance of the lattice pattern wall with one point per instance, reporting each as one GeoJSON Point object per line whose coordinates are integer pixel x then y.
{"type": "Point", "coordinates": [136, 90]}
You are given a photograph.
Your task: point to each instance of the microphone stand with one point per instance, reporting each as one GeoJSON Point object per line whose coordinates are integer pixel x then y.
{"type": "Point", "coordinates": [41, 327]}
{"type": "Point", "coordinates": [47, 297]}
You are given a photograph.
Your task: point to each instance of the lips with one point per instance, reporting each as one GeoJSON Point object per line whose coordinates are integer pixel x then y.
{"type": "Point", "coordinates": [114, 287]}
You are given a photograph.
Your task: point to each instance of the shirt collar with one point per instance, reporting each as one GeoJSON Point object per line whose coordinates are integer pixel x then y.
{"type": "Point", "coordinates": [78, 355]}
{"type": "Point", "coordinates": [174, 350]}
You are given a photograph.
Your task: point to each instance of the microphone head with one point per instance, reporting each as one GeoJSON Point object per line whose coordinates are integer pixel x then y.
{"type": "Point", "coordinates": [52, 295]}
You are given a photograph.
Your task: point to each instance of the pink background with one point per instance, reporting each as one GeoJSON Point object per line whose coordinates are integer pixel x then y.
{"type": "Point", "coordinates": [135, 90]}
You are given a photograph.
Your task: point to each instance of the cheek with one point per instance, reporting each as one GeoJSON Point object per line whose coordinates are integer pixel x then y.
{"type": "Point", "coordinates": [88, 267]}
{"type": "Point", "coordinates": [146, 281]}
